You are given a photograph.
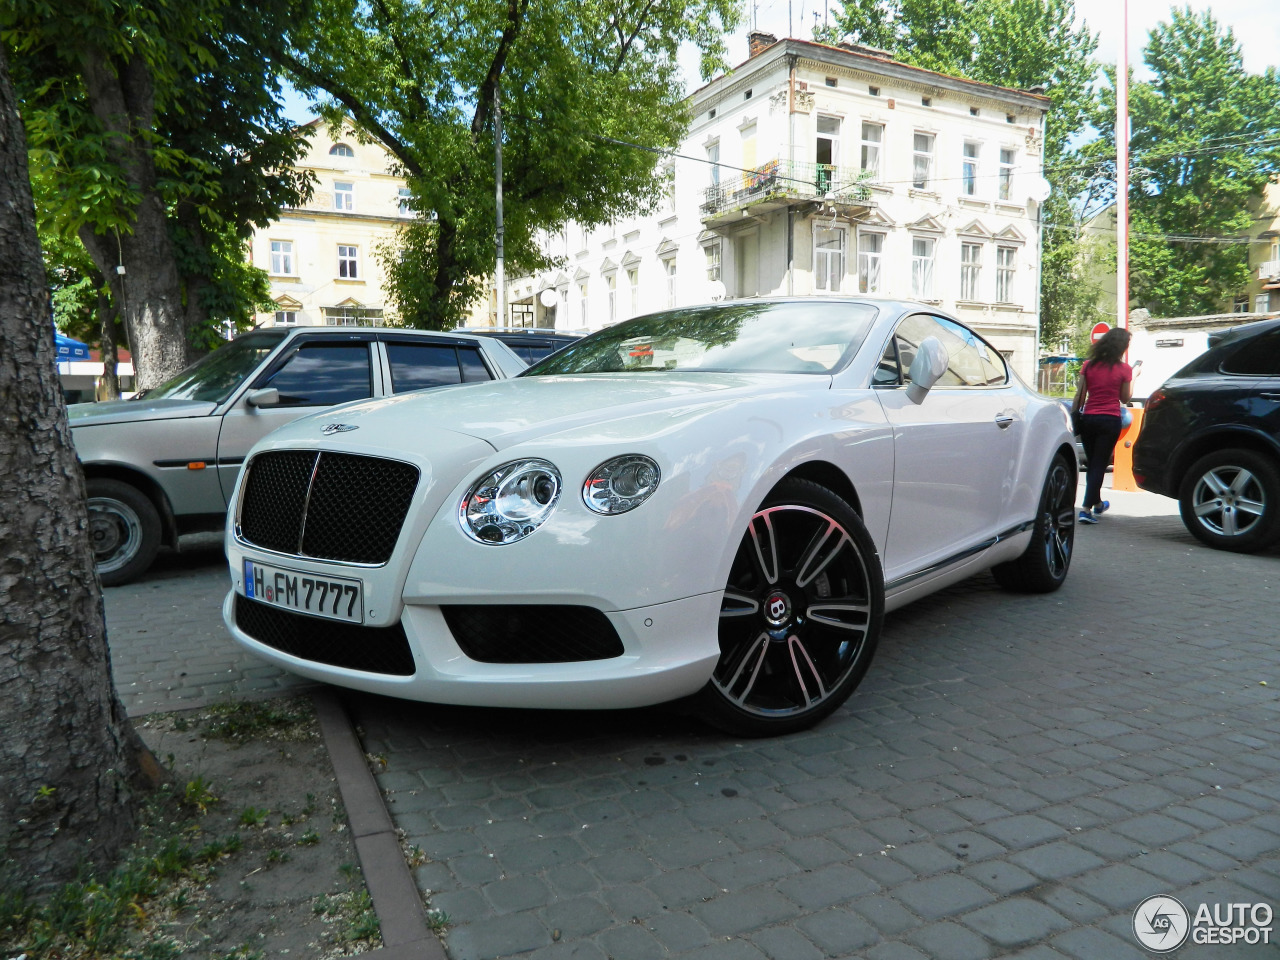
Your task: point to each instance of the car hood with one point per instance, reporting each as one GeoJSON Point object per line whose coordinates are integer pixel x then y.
{"type": "Point", "coordinates": [507, 412]}
{"type": "Point", "coordinates": [125, 411]}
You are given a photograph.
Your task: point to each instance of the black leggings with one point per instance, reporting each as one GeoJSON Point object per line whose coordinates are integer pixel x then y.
{"type": "Point", "coordinates": [1099, 433]}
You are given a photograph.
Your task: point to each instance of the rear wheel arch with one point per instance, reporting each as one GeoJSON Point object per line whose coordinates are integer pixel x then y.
{"type": "Point", "coordinates": [1227, 439]}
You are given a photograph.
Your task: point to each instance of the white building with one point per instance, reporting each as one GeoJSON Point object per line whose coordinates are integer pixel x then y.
{"type": "Point", "coordinates": [813, 169]}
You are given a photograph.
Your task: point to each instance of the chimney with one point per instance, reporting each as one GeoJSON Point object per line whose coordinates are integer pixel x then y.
{"type": "Point", "coordinates": [758, 41]}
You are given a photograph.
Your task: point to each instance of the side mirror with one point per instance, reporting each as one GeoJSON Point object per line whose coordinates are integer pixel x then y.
{"type": "Point", "coordinates": [930, 364]}
{"type": "Point", "coordinates": [270, 397]}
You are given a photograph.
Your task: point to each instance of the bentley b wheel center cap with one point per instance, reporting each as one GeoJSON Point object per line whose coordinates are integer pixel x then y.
{"type": "Point", "coordinates": [777, 608]}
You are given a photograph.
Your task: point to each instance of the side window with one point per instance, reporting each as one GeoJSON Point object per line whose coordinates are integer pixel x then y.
{"type": "Point", "coordinates": [1259, 356]}
{"type": "Point", "coordinates": [971, 361]}
{"type": "Point", "coordinates": [887, 373]}
{"type": "Point", "coordinates": [473, 367]}
{"type": "Point", "coordinates": [415, 366]}
{"type": "Point", "coordinates": [320, 374]}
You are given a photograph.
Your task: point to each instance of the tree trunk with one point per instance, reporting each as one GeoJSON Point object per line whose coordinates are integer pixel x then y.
{"type": "Point", "coordinates": [109, 386]}
{"type": "Point", "coordinates": [71, 764]}
{"type": "Point", "coordinates": [122, 97]}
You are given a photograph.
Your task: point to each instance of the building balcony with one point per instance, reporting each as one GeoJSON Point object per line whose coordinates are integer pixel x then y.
{"type": "Point", "coordinates": [779, 184]}
{"type": "Point", "coordinates": [1269, 270]}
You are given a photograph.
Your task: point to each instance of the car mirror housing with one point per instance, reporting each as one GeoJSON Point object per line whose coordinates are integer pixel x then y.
{"type": "Point", "coordinates": [267, 397]}
{"type": "Point", "coordinates": [928, 366]}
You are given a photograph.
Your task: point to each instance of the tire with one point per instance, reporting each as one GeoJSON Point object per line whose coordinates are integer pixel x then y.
{"type": "Point", "coordinates": [124, 530]}
{"type": "Point", "coordinates": [1043, 566]}
{"type": "Point", "coordinates": [1230, 500]}
{"type": "Point", "coordinates": [800, 618]}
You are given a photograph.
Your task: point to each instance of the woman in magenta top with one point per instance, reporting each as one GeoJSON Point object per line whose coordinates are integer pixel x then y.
{"type": "Point", "coordinates": [1106, 382]}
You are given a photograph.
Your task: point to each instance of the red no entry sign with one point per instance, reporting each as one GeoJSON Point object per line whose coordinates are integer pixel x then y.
{"type": "Point", "coordinates": [1098, 330]}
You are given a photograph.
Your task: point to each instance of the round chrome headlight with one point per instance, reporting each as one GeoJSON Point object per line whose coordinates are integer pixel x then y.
{"type": "Point", "coordinates": [510, 502]}
{"type": "Point", "coordinates": [621, 484]}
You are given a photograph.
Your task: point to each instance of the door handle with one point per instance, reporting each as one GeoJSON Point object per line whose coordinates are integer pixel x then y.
{"type": "Point", "coordinates": [1003, 422]}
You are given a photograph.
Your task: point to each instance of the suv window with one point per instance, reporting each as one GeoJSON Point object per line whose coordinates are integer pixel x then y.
{"type": "Point", "coordinates": [1258, 356]}
{"type": "Point", "coordinates": [320, 374]}
{"type": "Point", "coordinates": [971, 361]}
{"type": "Point", "coordinates": [416, 366]}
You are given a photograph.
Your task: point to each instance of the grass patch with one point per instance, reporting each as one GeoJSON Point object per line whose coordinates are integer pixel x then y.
{"type": "Point", "coordinates": [237, 721]}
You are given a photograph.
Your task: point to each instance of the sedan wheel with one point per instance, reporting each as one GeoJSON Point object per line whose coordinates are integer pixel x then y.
{"type": "Point", "coordinates": [801, 614]}
{"type": "Point", "coordinates": [124, 530]}
{"type": "Point", "coordinates": [1230, 500]}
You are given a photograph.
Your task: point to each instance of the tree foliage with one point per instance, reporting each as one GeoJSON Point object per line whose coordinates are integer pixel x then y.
{"type": "Point", "coordinates": [1204, 143]}
{"type": "Point", "coordinates": [158, 128]}
{"type": "Point", "coordinates": [421, 79]}
{"type": "Point", "coordinates": [1011, 43]}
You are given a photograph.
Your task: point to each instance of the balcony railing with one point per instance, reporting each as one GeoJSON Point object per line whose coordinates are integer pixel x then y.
{"type": "Point", "coordinates": [788, 180]}
{"type": "Point", "coordinates": [1269, 270]}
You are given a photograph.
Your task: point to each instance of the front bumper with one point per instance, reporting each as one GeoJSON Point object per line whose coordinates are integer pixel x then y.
{"type": "Point", "coordinates": [668, 651]}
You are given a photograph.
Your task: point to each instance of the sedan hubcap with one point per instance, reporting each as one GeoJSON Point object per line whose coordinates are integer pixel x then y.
{"type": "Point", "coordinates": [115, 533]}
{"type": "Point", "coordinates": [795, 614]}
{"type": "Point", "coordinates": [1229, 501]}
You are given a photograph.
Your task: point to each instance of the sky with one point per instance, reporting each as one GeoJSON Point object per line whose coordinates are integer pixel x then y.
{"type": "Point", "coordinates": [1256, 24]}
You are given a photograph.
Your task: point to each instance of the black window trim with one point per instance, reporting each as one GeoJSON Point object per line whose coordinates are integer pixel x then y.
{"type": "Point", "coordinates": [444, 340]}
{"type": "Point", "coordinates": [902, 373]}
{"type": "Point", "coordinates": [291, 348]}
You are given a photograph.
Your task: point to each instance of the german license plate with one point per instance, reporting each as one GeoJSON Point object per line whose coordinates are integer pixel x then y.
{"type": "Point", "coordinates": [337, 598]}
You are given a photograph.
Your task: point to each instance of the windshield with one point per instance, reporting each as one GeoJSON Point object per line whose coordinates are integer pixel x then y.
{"type": "Point", "coordinates": [738, 337]}
{"type": "Point", "coordinates": [215, 377]}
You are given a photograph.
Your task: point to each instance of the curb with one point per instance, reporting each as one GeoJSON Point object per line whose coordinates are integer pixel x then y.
{"type": "Point", "coordinates": [405, 934]}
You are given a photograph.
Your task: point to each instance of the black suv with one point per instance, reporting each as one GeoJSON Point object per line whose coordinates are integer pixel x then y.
{"type": "Point", "coordinates": [530, 344]}
{"type": "Point", "coordinates": [1211, 438]}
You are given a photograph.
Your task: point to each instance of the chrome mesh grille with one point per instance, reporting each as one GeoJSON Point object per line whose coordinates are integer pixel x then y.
{"type": "Point", "coordinates": [330, 506]}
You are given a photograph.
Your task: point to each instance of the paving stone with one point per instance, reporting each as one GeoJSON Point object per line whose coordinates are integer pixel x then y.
{"type": "Point", "coordinates": [678, 932]}
{"type": "Point", "coordinates": [950, 941]}
{"type": "Point", "coordinates": [737, 913]}
{"type": "Point", "coordinates": [577, 917]}
{"type": "Point", "coordinates": [945, 896]}
{"type": "Point", "coordinates": [1002, 877]}
{"type": "Point", "coordinates": [837, 931]}
{"type": "Point", "coordinates": [496, 937]}
{"type": "Point", "coordinates": [785, 943]}
{"type": "Point", "coordinates": [826, 886]}
{"type": "Point", "coordinates": [1020, 832]}
{"type": "Point", "coordinates": [1017, 922]}
{"type": "Point", "coordinates": [631, 941]}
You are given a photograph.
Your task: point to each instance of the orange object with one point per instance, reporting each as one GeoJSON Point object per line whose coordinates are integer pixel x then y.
{"type": "Point", "coordinates": [1122, 472]}
{"type": "Point", "coordinates": [196, 465]}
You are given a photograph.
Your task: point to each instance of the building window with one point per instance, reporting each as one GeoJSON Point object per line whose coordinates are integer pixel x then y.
{"type": "Point", "coordinates": [1007, 160]}
{"type": "Point", "coordinates": [748, 137]}
{"type": "Point", "coordinates": [970, 270]}
{"type": "Point", "coordinates": [711, 114]}
{"type": "Point", "coordinates": [348, 262]}
{"type": "Point", "coordinates": [341, 150]}
{"type": "Point", "coordinates": [1006, 260]}
{"type": "Point", "coordinates": [969, 168]}
{"type": "Point", "coordinates": [633, 280]}
{"type": "Point", "coordinates": [832, 82]}
{"type": "Point", "coordinates": [282, 257]}
{"type": "Point", "coordinates": [1240, 305]}
{"type": "Point", "coordinates": [611, 287]}
{"type": "Point", "coordinates": [582, 302]}
{"type": "Point", "coordinates": [922, 161]}
{"type": "Point", "coordinates": [828, 153]}
{"type": "Point", "coordinates": [350, 316]}
{"type": "Point", "coordinates": [872, 138]}
{"type": "Point", "coordinates": [344, 196]}
{"type": "Point", "coordinates": [870, 251]}
{"type": "Point", "coordinates": [973, 111]}
{"type": "Point", "coordinates": [404, 194]}
{"type": "Point", "coordinates": [1262, 303]}
{"type": "Point", "coordinates": [746, 95]}
{"type": "Point", "coordinates": [873, 91]}
{"type": "Point", "coordinates": [1010, 118]}
{"type": "Point", "coordinates": [712, 251]}
{"type": "Point", "coordinates": [713, 158]}
{"type": "Point", "coordinates": [922, 267]}
{"type": "Point", "coordinates": [828, 258]}
{"type": "Point", "coordinates": [670, 269]}
{"type": "Point", "coordinates": [286, 318]}
{"type": "Point", "coordinates": [926, 101]}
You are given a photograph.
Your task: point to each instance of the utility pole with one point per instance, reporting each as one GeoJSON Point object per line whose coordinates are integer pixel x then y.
{"type": "Point", "coordinates": [499, 274]}
{"type": "Point", "coordinates": [1122, 172]}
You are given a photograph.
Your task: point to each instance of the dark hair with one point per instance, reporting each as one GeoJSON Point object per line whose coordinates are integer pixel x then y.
{"type": "Point", "coordinates": [1110, 347]}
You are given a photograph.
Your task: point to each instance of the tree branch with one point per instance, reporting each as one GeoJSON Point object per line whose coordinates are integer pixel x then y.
{"type": "Point", "coordinates": [626, 43]}
{"type": "Point", "coordinates": [362, 114]}
{"type": "Point", "coordinates": [516, 10]}
{"type": "Point", "coordinates": [406, 67]}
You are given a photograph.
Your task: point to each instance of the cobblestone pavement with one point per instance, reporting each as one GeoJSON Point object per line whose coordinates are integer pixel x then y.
{"type": "Point", "coordinates": [1012, 778]}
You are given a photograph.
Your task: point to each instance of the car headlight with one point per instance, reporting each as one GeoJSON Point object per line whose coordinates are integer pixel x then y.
{"type": "Point", "coordinates": [621, 484]}
{"type": "Point", "coordinates": [509, 503]}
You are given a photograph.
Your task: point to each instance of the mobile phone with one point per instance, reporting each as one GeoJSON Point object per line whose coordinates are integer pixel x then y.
{"type": "Point", "coordinates": [1137, 364]}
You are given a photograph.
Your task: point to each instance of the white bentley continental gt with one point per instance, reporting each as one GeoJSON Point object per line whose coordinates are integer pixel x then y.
{"type": "Point", "coordinates": [717, 502]}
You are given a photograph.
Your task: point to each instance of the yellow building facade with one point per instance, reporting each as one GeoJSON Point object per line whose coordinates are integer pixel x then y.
{"type": "Point", "coordinates": [322, 257]}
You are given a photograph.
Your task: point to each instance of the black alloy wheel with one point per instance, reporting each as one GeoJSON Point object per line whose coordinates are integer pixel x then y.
{"type": "Point", "coordinates": [800, 617]}
{"type": "Point", "coordinates": [1230, 500]}
{"type": "Point", "coordinates": [1043, 566]}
